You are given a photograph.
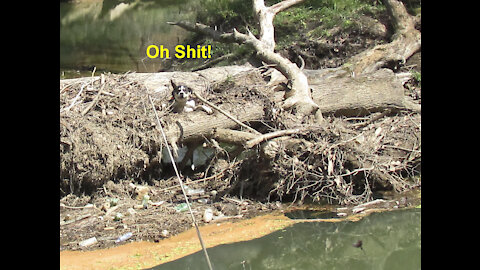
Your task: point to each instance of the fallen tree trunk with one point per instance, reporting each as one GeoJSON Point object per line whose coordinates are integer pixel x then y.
{"type": "Point", "coordinates": [339, 95]}
{"type": "Point", "coordinates": [334, 90]}
{"type": "Point", "coordinates": [117, 137]}
{"type": "Point", "coordinates": [337, 92]}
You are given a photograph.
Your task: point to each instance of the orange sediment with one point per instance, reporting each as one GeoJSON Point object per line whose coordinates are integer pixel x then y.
{"type": "Point", "coordinates": [139, 255]}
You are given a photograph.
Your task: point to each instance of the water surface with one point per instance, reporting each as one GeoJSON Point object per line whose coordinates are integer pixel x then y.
{"type": "Point", "coordinates": [113, 36]}
{"type": "Point", "coordinates": [391, 240]}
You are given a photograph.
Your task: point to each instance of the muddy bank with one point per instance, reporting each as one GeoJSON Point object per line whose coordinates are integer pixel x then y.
{"type": "Point", "coordinates": [120, 208]}
{"type": "Point", "coordinates": [148, 254]}
{"type": "Point", "coordinates": [108, 132]}
{"type": "Point", "coordinates": [111, 156]}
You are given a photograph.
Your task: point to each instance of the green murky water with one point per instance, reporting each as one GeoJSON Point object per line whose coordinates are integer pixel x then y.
{"type": "Point", "coordinates": [391, 240]}
{"type": "Point", "coordinates": [113, 35]}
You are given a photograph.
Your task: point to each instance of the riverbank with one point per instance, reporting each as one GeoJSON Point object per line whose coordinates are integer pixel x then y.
{"type": "Point", "coordinates": [144, 254]}
{"type": "Point", "coordinates": [115, 179]}
{"type": "Point", "coordinates": [112, 212]}
{"type": "Point", "coordinates": [120, 205]}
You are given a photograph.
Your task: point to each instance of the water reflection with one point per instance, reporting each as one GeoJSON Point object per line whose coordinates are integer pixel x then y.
{"type": "Point", "coordinates": [390, 240]}
{"type": "Point", "coordinates": [113, 35]}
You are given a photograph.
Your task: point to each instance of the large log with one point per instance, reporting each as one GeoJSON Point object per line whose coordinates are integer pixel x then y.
{"type": "Point", "coordinates": [335, 90]}
{"type": "Point", "coordinates": [117, 137]}
{"type": "Point", "coordinates": [202, 126]}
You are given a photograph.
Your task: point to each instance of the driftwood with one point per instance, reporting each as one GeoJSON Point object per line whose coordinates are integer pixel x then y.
{"type": "Point", "coordinates": [108, 129]}
{"type": "Point", "coordinates": [406, 41]}
{"type": "Point", "coordinates": [117, 136]}
{"type": "Point", "coordinates": [299, 95]}
{"type": "Point", "coordinates": [334, 90]}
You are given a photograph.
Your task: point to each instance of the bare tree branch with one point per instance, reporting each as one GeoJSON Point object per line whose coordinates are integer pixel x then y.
{"type": "Point", "coordinates": [299, 96]}
{"type": "Point", "coordinates": [265, 15]}
{"type": "Point", "coordinates": [205, 30]}
{"type": "Point", "coordinates": [278, 7]}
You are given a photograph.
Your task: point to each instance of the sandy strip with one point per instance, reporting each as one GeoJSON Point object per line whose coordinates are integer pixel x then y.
{"type": "Point", "coordinates": [139, 255]}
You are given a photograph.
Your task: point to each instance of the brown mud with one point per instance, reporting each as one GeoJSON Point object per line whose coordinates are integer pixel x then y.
{"type": "Point", "coordinates": [148, 254]}
{"type": "Point", "coordinates": [145, 254]}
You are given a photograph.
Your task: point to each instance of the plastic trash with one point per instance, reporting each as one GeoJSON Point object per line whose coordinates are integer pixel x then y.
{"type": "Point", "coordinates": [113, 201]}
{"type": "Point", "coordinates": [204, 201]}
{"type": "Point", "coordinates": [208, 215]}
{"type": "Point", "coordinates": [118, 217]}
{"type": "Point", "coordinates": [123, 237]}
{"type": "Point", "coordinates": [145, 200]}
{"type": "Point", "coordinates": [193, 191]}
{"type": "Point", "coordinates": [181, 207]}
{"type": "Point", "coordinates": [88, 242]}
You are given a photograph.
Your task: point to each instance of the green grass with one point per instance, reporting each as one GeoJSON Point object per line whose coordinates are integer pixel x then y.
{"type": "Point", "coordinates": [417, 76]}
{"type": "Point", "coordinates": [311, 19]}
{"type": "Point", "coordinates": [316, 17]}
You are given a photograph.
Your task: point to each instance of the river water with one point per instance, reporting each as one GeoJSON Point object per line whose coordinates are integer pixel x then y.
{"type": "Point", "coordinates": [391, 240]}
{"type": "Point", "coordinates": [113, 36]}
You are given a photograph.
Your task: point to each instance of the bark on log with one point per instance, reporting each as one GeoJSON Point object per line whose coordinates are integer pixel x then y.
{"type": "Point", "coordinates": [334, 90]}
{"type": "Point", "coordinates": [203, 126]}
{"type": "Point", "coordinates": [337, 92]}
{"type": "Point", "coordinates": [232, 136]}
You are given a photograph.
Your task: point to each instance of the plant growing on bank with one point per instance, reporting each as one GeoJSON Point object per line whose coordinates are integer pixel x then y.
{"type": "Point", "coordinates": [417, 76]}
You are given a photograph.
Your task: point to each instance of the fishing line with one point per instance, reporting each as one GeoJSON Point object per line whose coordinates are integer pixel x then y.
{"type": "Point", "coordinates": [181, 184]}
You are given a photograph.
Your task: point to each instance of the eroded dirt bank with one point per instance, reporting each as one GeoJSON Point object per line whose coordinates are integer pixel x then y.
{"type": "Point", "coordinates": [111, 158]}
{"type": "Point", "coordinates": [148, 254]}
